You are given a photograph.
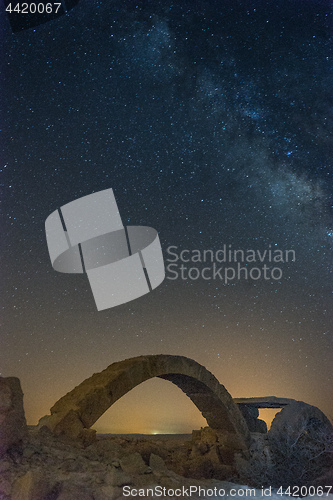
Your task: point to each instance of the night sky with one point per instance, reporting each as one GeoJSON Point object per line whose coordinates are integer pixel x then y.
{"type": "Point", "coordinates": [212, 122]}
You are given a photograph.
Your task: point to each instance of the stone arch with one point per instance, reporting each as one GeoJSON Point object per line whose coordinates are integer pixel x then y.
{"type": "Point", "coordinates": [79, 409]}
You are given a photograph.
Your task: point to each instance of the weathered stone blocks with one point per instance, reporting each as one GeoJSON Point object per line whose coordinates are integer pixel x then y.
{"type": "Point", "coordinates": [13, 426]}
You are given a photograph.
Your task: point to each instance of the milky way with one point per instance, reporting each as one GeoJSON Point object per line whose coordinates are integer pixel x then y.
{"type": "Point", "coordinates": [212, 122]}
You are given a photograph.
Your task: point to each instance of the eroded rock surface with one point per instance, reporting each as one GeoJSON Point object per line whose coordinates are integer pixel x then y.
{"type": "Point", "coordinates": [298, 416]}
{"type": "Point", "coordinates": [63, 460]}
{"type": "Point", "coordinates": [13, 427]}
{"type": "Point", "coordinates": [251, 414]}
{"type": "Point", "coordinates": [54, 468]}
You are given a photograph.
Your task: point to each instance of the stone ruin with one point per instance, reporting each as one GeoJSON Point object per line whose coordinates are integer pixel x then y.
{"type": "Point", "coordinates": [76, 412]}
{"type": "Point", "coordinates": [13, 426]}
{"type": "Point", "coordinates": [234, 434]}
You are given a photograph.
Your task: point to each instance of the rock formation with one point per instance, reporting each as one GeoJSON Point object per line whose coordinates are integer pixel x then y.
{"type": "Point", "coordinates": [52, 468]}
{"type": "Point", "coordinates": [62, 459]}
{"type": "Point", "coordinates": [264, 402]}
{"type": "Point", "coordinates": [298, 416]}
{"type": "Point", "coordinates": [251, 414]}
{"type": "Point", "coordinates": [13, 427]}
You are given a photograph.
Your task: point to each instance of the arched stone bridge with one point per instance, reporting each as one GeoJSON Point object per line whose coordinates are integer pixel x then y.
{"type": "Point", "coordinates": [78, 410]}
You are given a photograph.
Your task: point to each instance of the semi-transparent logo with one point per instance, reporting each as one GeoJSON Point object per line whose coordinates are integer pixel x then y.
{"type": "Point", "coordinates": [87, 236]}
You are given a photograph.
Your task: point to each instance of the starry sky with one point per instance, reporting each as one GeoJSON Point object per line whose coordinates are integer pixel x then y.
{"type": "Point", "coordinates": [212, 122]}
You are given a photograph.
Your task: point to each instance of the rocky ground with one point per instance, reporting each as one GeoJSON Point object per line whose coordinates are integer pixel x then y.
{"type": "Point", "coordinates": [38, 464]}
{"type": "Point", "coordinates": [50, 468]}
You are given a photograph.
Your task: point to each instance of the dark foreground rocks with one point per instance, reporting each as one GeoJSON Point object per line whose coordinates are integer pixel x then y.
{"type": "Point", "coordinates": [13, 426]}
{"type": "Point", "coordinates": [45, 463]}
{"type": "Point", "coordinates": [49, 467]}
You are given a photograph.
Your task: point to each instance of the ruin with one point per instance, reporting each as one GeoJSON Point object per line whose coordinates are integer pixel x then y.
{"type": "Point", "coordinates": [13, 426]}
{"type": "Point", "coordinates": [264, 402]}
{"type": "Point", "coordinates": [46, 460]}
{"type": "Point", "coordinates": [75, 413]}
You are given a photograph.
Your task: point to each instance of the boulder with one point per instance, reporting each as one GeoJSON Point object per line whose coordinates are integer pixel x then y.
{"type": "Point", "coordinates": [133, 464]}
{"type": "Point", "coordinates": [117, 477]}
{"type": "Point", "coordinates": [13, 426]}
{"type": "Point", "coordinates": [108, 493]}
{"type": "Point", "coordinates": [260, 426]}
{"type": "Point", "coordinates": [260, 450]}
{"type": "Point", "coordinates": [213, 454]}
{"type": "Point", "coordinates": [70, 491]}
{"type": "Point", "coordinates": [301, 435]}
{"type": "Point", "coordinates": [207, 435]}
{"type": "Point", "coordinates": [5, 486]}
{"type": "Point", "coordinates": [326, 479]}
{"type": "Point", "coordinates": [248, 412]}
{"type": "Point", "coordinates": [157, 463]}
{"type": "Point", "coordinates": [298, 417]}
{"type": "Point", "coordinates": [104, 450]}
{"type": "Point", "coordinates": [199, 467]}
{"type": "Point", "coordinates": [32, 486]}
{"type": "Point", "coordinates": [251, 414]}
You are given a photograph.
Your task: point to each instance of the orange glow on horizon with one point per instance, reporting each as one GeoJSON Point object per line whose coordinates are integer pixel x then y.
{"type": "Point", "coordinates": [158, 406]}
